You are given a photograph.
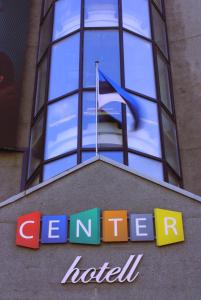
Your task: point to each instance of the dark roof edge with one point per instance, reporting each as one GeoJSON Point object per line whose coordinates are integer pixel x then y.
{"type": "Point", "coordinates": [106, 160]}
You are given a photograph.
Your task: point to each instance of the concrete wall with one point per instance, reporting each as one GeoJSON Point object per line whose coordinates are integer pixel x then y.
{"type": "Point", "coordinates": [171, 272]}
{"type": "Point", "coordinates": [184, 29]}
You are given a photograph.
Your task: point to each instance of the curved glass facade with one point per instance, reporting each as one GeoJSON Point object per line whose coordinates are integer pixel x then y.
{"type": "Point", "coordinates": [129, 40]}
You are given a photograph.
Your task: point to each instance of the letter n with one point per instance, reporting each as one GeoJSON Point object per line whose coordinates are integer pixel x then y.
{"type": "Point", "coordinates": [28, 230]}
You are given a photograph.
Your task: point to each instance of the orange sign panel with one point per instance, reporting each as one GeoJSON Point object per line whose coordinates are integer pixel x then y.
{"type": "Point", "coordinates": [115, 226]}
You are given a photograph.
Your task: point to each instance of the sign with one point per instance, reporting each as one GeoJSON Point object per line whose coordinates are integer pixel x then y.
{"type": "Point", "coordinates": [105, 273]}
{"type": "Point", "coordinates": [85, 228]}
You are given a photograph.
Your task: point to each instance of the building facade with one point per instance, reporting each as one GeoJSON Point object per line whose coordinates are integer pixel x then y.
{"type": "Point", "coordinates": [151, 49]}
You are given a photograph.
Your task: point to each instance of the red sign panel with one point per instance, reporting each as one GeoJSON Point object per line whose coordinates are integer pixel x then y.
{"type": "Point", "coordinates": [28, 230]}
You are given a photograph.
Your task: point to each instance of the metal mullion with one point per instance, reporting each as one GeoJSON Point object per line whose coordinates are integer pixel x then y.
{"type": "Point", "coordinates": [103, 149]}
{"type": "Point", "coordinates": [58, 157]}
{"type": "Point", "coordinates": [137, 35]}
{"type": "Point", "coordinates": [141, 95]}
{"type": "Point", "coordinates": [173, 171]}
{"type": "Point", "coordinates": [64, 37]}
{"type": "Point", "coordinates": [157, 90]}
{"type": "Point", "coordinates": [43, 17]}
{"type": "Point", "coordinates": [122, 72]}
{"type": "Point", "coordinates": [170, 115]}
{"type": "Point", "coordinates": [63, 96]}
{"type": "Point", "coordinates": [139, 153]}
{"type": "Point", "coordinates": [33, 176]}
{"type": "Point", "coordinates": [162, 53]}
{"type": "Point", "coordinates": [101, 28]}
{"type": "Point", "coordinates": [46, 97]}
{"type": "Point", "coordinates": [158, 9]}
{"type": "Point", "coordinates": [81, 57]}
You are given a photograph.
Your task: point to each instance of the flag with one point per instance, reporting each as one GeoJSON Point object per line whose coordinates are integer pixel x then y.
{"type": "Point", "coordinates": [110, 91]}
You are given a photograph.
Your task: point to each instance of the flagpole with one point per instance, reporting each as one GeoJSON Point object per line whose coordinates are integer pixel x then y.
{"type": "Point", "coordinates": [97, 93]}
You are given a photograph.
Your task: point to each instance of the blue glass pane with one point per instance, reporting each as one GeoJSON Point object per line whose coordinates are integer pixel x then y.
{"type": "Point", "coordinates": [136, 16]}
{"type": "Point", "coordinates": [61, 133]}
{"type": "Point", "coordinates": [114, 155]}
{"type": "Point", "coordinates": [56, 167]}
{"type": "Point", "coordinates": [146, 166]}
{"type": "Point", "coordinates": [146, 138]}
{"type": "Point", "coordinates": [139, 67]}
{"type": "Point", "coordinates": [66, 18]}
{"type": "Point", "coordinates": [101, 13]}
{"type": "Point", "coordinates": [89, 120]}
{"type": "Point", "coordinates": [64, 71]}
{"type": "Point", "coordinates": [101, 45]}
{"type": "Point", "coordinates": [87, 155]}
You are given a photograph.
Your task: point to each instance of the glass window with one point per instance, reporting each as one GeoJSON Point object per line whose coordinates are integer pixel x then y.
{"type": "Point", "coordinates": [102, 13]}
{"type": "Point", "coordinates": [159, 31]}
{"type": "Point", "coordinates": [170, 140]}
{"type": "Point", "coordinates": [164, 82]}
{"type": "Point", "coordinates": [36, 145]}
{"type": "Point", "coordinates": [64, 72]}
{"type": "Point", "coordinates": [41, 85]}
{"type": "Point", "coordinates": [61, 135]}
{"type": "Point", "coordinates": [136, 16]}
{"type": "Point", "coordinates": [88, 155]}
{"type": "Point", "coordinates": [34, 182]}
{"type": "Point", "coordinates": [146, 166]}
{"type": "Point", "coordinates": [66, 17]}
{"type": "Point", "coordinates": [45, 34]}
{"type": "Point", "coordinates": [56, 167]}
{"type": "Point", "coordinates": [114, 155]}
{"type": "Point", "coordinates": [139, 68]}
{"type": "Point", "coordinates": [147, 137]}
{"type": "Point", "coordinates": [109, 123]}
{"type": "Point", "coordinates": [101, 45]}
{"type": "Point", "coordinates": [173, 179]}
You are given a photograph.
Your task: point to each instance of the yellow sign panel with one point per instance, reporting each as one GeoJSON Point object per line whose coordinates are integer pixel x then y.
{"type": "Point", "coordinates": [169, 227]}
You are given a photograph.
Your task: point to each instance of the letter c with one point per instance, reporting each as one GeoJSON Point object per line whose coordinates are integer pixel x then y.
{"type": "Point", "coordinates": [27, 237]}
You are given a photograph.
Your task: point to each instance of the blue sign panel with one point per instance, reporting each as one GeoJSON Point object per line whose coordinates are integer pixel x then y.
{"type": "Point", "coordinates": [54, 229]}
{"type": "Point", "coordinates": [141, 227]}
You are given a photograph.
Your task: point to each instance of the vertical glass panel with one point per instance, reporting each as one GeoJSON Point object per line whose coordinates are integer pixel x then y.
{"type": "Point", "coordinates": [159, 31]}
{"type": "Point", "coordinates": [34, 182]}
{"type": "Point", "coordinates": [66, 17]}
{"type": "Point", "coordinates": [147, 137]}
{"type": "Point", "coordinates": [56, 167]}
{"type": "Point", "coordinates": [164, 82]}
{"type": "Point", "coordinates": [45, 34]}
{"type": "Point", "coordinates": [104, 47]}
{"type": "Point", "coordinates": [136, 16]}
{"type": "Point", "coordinates": [61, 134]}
{"type": "Point", "coordinates": [139, 68]}
{"type": "Point", "coordinates": [109, 123]}
{"type": "Point", "coordinates": [41, 85]}
{"type": "Point", "coordinates": [88, 155]}
{"type": "Point", "coordinates": [114, 155]}
{"type": "Point", "coordinates": [89, 120]}
{"type": "Point", "coordinates": [36, 145]}
{"type": "Point", "coordinates": [102, 13]}
{"type": "Point", "coordinates": [170, 140]}
{"type": "Point", "coordinates": [173, 179]}
{"type": "Point", "coordinates": [146, 166]}
{"type": "Point", "coordinates": [64, 71]}
{"type": "Point", "coordinates": [159, 4]}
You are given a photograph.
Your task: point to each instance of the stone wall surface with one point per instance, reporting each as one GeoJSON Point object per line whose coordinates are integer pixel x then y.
{"type": "Point", "coordinates": [170, 272]}
{"type": "Point", "coordinates": [184, 30]}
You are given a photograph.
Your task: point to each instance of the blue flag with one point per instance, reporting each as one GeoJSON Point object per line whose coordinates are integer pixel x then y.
{"type": "Point", "coordinates": [110, 91]}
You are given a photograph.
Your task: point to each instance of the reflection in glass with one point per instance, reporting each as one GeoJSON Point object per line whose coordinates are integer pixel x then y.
{"type": "Point", "coordinates": [66, 18]}
{"type": "Point", "coordinates": [36, 145]}
{"type": "Point", "coordinates": [88, 155]}
{"type": "Point", "coordinates": [41, 85]}
{"type": "Point", "coordinates": [159, 4]}
{"type": "Point", "coordinates": [164, 82]}
{"type": "Point", "coordinates": [170, 141]}
{"type": "Point", "coordinates": [89, 120]}
{"type": "Point", "coordinates": [56, 167]}
{"type": "Point", "coordinates": [102, 13]}
{"type": "Point", "coordinates": [114, 155]}
{"type": "Point", "coordinates": [139, 68]}
{"type": "Point", "coordinates": [101, 45]}
{"type": "Point", "coordinates": [146, 166]}
{"type": "Point", "coordinates": [45, 34]}
{"type": "Point", "coordinates": [172, 179]}
{"type": "Point", "coordinates": [159, 31]}
{"type": "Point", "coordinates": [136, 16]}
{"type": "Point", "coordinates": [147, 137]}
{"type": "Point", "coordinates": [61, 134]}
{"type": "Point", "coordinates": [64, 71]}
